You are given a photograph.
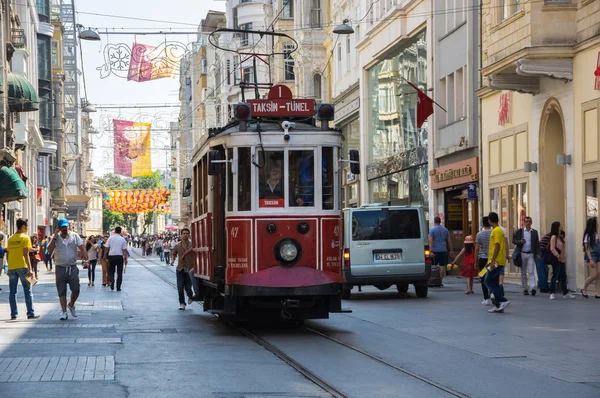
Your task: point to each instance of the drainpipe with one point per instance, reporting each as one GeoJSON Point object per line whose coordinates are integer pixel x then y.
{"type": "Point", "coordinates": [479, 113]}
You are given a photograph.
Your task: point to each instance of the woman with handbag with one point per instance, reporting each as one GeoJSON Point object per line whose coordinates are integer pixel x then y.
{"type": "Point", "coordinates": [558, 260]}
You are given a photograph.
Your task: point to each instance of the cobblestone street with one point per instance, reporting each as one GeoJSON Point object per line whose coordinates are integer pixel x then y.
{"type": "Point", "coordinates": [136, 343]}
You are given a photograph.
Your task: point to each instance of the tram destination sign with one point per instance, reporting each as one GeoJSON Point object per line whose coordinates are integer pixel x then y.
{"type": "Point", "coordinates": [280, 103]}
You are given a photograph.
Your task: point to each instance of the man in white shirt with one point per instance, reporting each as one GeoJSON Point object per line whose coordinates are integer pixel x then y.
{"type": "Point", "coordinates": [117, 257]}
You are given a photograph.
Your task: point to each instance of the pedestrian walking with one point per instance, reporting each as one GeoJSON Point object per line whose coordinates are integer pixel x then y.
{"type": "Point", "coordinates": [467, 270]}
{"type": "Point", "coordinates": [167, 250]}
{"type": "Point", "coordinates": [2, 253]}
{"type": "Point", "coordinates": [558, 251]}
{"type": "Point", "coordinates": [527, 242]}
{"type": "Point", "coordinates": [591, 247]}
{"type": "Point", "coordinates": [34, 255]}
{"type": "Point", "coordinates": [158, 248]}
{"type": "Point", "coordinates": [482, 246]}
{"type": "Point", "coordinates": [117, 258]}
{"type": "Point", "coordinates": [439, 244]}
{"type": "Point", "coordinates": [102, 254]}
{"type": "Point", "coordinates": [186, 262]}
{"type": "Point", "coordinates": [44, 252]}
{"type": "Point", "coordinates": [92, 251]}
{"type": "Point", "coordinates": [19, 268]}
{"type": "Point", "coordinates": [497, 259]}
{"type": "Point", "coordinates": [65, 245]}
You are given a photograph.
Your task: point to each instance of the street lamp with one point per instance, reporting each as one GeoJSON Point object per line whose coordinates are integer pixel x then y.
{"type": "Point", "coordinates": [88, 108]}
{"type": "Point", "coordinates": [344, 28]}
{"type": "Point", "coordinates": [88, 34]}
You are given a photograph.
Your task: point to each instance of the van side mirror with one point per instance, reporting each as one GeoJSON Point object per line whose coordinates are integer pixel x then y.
{"type": "Point", "coordinates": [354, 162]}
{"type": "Point", "coordinates": [187, 187]}
{"type": "Point", "coordinates": [214, 167]}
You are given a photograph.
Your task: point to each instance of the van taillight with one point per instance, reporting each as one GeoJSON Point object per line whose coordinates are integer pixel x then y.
{"type": "Point", "coordinates": [346, 257]}
{"type": "Point", "coordinates": [427, 255]}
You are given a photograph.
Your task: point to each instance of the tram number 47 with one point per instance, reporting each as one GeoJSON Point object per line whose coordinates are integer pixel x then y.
{"type": "Point", "coordinates": [235, 231]}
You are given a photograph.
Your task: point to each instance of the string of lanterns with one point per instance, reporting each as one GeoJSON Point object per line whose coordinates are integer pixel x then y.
{"type": "Point", "coordinates": [133, 201]}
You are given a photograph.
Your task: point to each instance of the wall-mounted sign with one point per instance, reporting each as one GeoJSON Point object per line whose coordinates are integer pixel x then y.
{"type": "Point", "coordinates": [472, 191]}
{"type": "Point", "coordinates": [504, 108]}
{"type": "Point", "coordinates": [459, 173]}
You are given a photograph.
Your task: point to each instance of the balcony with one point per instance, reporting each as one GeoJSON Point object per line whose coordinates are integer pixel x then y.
{"type": "Point", "coordinates": [528, 42]}
{"type": "Point", "coordinates": [17, 38]}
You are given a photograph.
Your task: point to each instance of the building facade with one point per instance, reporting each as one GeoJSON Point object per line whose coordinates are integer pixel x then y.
{"type": "Point", "coordinates": [454, 166]}
{"type": "Point", "coordinates": [539, 107]}
{"type": "Point", "coordinates": [393, 50]}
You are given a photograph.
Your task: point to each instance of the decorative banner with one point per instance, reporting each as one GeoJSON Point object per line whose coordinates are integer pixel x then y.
{"type": "Point", "coordinates": [132, 156]}
{"type": "Point", "coordinates": [151, 63]}
{"type": "Point", "coordinates": [133, 201]}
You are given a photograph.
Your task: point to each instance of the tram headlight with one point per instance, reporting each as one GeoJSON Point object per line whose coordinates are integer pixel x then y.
{"type": "Point", "coordinates": [287, 251]}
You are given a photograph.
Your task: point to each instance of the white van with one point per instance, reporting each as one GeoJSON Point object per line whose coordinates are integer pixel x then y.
{"type": "Point", "coordinates": [385, 246]}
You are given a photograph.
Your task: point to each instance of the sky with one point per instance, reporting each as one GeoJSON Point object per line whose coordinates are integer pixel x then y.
{"type": "Point", "coordinates": [110, 89]}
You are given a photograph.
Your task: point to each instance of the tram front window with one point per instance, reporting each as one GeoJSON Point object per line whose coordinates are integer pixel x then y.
{"type": "Point", "coordinates": [302, 178]}
{"type": "Point", "coordinates": [271, 180]}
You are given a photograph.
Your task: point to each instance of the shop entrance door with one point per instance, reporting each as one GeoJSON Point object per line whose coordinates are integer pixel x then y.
{"type": "Point", "coordinates": [462, 216]}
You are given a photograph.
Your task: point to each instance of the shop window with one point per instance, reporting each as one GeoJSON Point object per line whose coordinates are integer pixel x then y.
{"type": "Point", "coordinates": [229, 181]}
{"type": "Point", "coordinates": [591, 197]}
{"type": "Point", "coordinates": [244, 179]}
{"type": "Point", "coordinates": [327, 179]}
{"type": "Point", "coordinates": [302, 178]}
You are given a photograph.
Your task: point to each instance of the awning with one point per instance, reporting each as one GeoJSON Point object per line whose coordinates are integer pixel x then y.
{"type": "Point", "coordinates": [22, 97]}
{"type": "Point", "coordinates": [12, 186]}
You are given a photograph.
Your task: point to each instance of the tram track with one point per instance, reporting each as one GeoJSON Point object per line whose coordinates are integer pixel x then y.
{"type": "Point", "coordinates": [307, 373]}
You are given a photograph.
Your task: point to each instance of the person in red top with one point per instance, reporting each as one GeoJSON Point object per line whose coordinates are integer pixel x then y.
{"type": "Point", "coordinates": [468, 269]}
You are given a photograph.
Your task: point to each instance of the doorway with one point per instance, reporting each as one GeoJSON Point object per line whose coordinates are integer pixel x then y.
{"type": "Point", "coordinates": [552, 187]}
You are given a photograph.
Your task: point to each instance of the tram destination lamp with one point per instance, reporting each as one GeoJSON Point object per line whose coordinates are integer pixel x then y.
{"type": "Point", "coordinates": [325, 113]}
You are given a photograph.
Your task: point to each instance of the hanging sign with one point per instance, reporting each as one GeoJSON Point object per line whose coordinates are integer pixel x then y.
{"type": "Point", "coordinates": [472, 191]}
{"type": "Point", "coordinates": [280, 103]}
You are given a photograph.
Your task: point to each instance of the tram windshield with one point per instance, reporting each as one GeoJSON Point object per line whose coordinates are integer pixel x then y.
{"type": "Point", "coordinates": [294, 183]}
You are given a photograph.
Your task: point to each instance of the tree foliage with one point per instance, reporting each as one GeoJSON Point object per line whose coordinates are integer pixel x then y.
{"type": "Point", "coordinates": [146, 182]}
{"type": "Point", "coordinates": [111, 181]}
{"type": "Point", "coordinates": [111, 219]}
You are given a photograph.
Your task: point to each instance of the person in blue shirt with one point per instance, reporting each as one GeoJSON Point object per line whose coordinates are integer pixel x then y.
{"type": "Point", "coordinates": [439, 245]}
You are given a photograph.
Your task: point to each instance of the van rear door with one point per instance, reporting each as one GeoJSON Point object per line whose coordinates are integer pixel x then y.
{"type": "Point", "coordinates": [387, 241]}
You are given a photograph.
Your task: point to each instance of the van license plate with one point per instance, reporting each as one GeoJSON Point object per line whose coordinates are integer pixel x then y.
{"type": "Point", "coordinates": [388, 256]}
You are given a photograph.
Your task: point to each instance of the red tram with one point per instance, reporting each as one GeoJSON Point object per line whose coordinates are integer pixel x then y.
{"type": "Point", "coordinates": [267, 226]}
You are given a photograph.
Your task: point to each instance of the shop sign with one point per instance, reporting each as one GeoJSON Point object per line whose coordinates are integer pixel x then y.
{"type": "Point", "coordinates": [401, 161]}
{"type": "Point", "coordinates": [472, 191]}
{"type": "Point", "coordinates": [592, 206]}
{"type": "Point", "coordinates": [459, 173]}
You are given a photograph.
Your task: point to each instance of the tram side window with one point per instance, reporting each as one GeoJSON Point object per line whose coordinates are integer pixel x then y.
{"type": "Point", "coordinates": [327, 179]}
{"type": "Point", "coordinates": [271, 179]}
{"type": "Point", "coordinates": [244, 179]}
{"type": "Point", "coordinates": [229, 181]}
{"type": "Point", "coordinates": [302, 178]}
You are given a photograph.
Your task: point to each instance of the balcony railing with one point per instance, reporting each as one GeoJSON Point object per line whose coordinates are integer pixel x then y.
{"type": "Point", "coordinates": [17, 38]}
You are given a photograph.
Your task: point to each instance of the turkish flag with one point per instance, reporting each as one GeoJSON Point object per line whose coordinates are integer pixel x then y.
{"type": "Point", "coordinates": [424, 105]}
{"type": "Point", "coordinates": [597, 72]}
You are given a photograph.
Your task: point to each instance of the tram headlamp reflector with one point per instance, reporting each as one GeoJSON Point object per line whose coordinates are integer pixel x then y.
{"type": "Point", "coordinates": [288, 252]}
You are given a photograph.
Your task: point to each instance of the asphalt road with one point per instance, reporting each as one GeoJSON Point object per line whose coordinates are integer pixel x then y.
{"type": "Point", "coordinates": [136, 343]}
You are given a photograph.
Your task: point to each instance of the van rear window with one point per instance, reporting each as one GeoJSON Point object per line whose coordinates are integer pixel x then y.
{"type": "Point", "coordinates": [385, 224]}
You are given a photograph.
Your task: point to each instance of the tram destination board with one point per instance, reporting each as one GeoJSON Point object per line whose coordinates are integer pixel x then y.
{"type": "Point", "coordinates": [280, 103]}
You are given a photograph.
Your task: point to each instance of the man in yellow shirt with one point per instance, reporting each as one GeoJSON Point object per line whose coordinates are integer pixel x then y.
{"type": "Point", "coordinates": [496, 264]}
{"type": "Point", "coordinates": [19, 267]}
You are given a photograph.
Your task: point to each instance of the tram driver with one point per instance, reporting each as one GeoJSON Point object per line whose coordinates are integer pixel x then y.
{"type": "Point", "coordinates": [272, 188]}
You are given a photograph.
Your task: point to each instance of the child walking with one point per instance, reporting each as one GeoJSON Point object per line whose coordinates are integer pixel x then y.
{"type": "Point", "coordinates": [468, 269]}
